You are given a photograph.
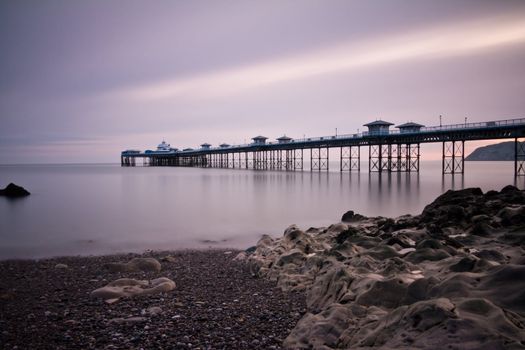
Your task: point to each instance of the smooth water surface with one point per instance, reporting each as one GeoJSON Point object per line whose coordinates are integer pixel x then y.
{"type": "Point", "coordinates": [99, 209]}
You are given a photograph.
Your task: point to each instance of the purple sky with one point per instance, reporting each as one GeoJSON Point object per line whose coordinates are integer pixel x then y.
{"type": "Point", "coordinates": [81, 81]}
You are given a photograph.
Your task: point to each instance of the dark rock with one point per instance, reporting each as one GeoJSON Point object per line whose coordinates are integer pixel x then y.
{"type": "Point", "coordinates": [251, 249]}
{"type": "Point", "coordinates": [492, 255]}
{"type": "Point", "coordinates": [13, 191]}
{"type": "Point", "coordinates": [400, 240]}
{"type": "Point", "coordinates": [426, 254]}
{"type": "Point", "coordinates": [516, 237]}
{"type": "Point", "coordinates": [387, 225]}
{"type": "Point", "coordinates": [512, 216]}
{"type": "Point", "coordinates": [350, 216]}
{"type": "Point", "coordinates": [481, 229]}
{"type": "Point", "coordinates": [491, 194]}
{"type": "Point", "coordinates": [343, 236]}
{"type": "Point", "coordinates": [388, 293]}
{"type": "Point", "coordinates": [509, 189]}
{"type": "Point", "coordinates": [382, 252]}
{"type": "Point", "coordinates": [418, 290]}
{"type": "Point", "coordinates": [464, 265]}
{"type": "Point", "coordinates": [430, 243]}
{"type": "Point", "coordinates": [452, 199]}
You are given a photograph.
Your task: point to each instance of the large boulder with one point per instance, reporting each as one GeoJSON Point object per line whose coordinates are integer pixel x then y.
{"type": "Point", "coordinates": [13, 191]}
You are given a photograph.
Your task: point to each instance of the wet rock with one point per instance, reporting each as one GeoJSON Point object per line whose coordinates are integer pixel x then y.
{"type": "Point", "coordinates": [419, 290]}
{"type": "Point", "coordinates": [343, 236]}
{"type": "Point", "coordinates": [465, 264]}
{"type": "Point", "coordinates": [350, 216]}
{"type": "Point", "coordinates": [329, 288]}
{"type": "Point", "coordinates": [294, 256]}
{"type": "Point", "coordinates": [382, 252]}
{"type": "Point", "coordinates": [482, 229]}
{"type": "Point", "coordinates": [491, 255]}
{"type": "Point", "coordinates": [14, 191]}
{"type": "Point", "coordinates": [386, 294]}
{"type": "Point", "coordinates": [512, 215]}
{"type": "Point", "coordinates": [250, 250]}
{"type": "Point", "coordinates": [409, 326]}
{"type": "Point", "coordinates": [319, 331]}
{"type": "Point", "coordinates": [422, 254]}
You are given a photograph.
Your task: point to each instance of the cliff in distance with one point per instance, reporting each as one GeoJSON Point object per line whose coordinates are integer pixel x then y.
{"type": "Point", "coordinates": [499, 151]}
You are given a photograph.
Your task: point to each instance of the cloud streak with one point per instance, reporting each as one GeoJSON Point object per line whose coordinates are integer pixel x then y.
{"type": "Point", "coordinates": [429, 44]}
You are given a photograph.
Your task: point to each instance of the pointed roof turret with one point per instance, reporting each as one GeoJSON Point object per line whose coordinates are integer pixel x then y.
{"type": "Point", "coordinates": [259, 139]}
{"type": "Point", "coordinates": [378, 123]}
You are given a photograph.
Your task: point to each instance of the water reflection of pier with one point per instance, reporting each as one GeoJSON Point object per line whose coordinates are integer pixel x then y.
{"type": "Point", "coordinates": [388, 150]}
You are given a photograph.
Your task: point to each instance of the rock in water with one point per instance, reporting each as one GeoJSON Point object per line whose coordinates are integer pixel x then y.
{"type": "Point", "coordinates": [13, 190]}
{"type": "Point", "coordinates": [350, 216]}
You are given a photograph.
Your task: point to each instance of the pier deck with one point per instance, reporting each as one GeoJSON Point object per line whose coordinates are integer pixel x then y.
{"type": "Point", "coordinates": [389, 150]}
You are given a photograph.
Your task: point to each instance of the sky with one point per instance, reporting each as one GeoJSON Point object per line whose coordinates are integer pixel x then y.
{"type": "Point", "coordinates": [81, 81]}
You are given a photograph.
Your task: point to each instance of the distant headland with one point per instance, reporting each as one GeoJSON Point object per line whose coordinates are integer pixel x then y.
{"type": "Point", "coordinates": [503, 151]}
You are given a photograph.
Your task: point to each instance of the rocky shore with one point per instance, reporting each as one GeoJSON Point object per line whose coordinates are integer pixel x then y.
{"type": "Point", "coordinates": [215, 303]}
{"type": "Point", "coordinates": [452, 277]}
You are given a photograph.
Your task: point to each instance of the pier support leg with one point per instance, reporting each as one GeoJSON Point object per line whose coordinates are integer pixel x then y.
{"type": "Point", "coordinates": [375, 158]}
{"type": "Point", "coordinates": [344, 159]}
{"type": "Point", "coordinates": [319, 158]}
{"type": "Point", "coordinates": [298, 159]}
{"type": "Point", "coordinates": [350, 158]}
{"type": "Point", "coordinates": [385, 157]}
{"type": "Point", "coordinates": [413, 157]}
{"type": "Point", "coordinates": [453, 157]}
{"type": "Point", "coordinates": [519, 158]}
{"type": "Point", "coordinates": [394, 157]}
{"type": "Point", "coordinates": [289, 159]}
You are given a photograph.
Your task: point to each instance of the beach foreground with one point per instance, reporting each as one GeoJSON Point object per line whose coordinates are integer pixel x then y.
{"type": "Point", "coordinates": [217, 303]}
{"type": "Point", "coordinates": [452, 277]}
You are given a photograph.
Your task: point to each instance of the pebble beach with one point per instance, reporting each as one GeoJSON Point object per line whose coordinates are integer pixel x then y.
{"type": "Point", "coordinates": [216, 304]}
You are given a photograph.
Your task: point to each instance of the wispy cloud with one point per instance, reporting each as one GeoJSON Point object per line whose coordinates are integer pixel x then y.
{"type": "Point", "coordinates": [427, 44]}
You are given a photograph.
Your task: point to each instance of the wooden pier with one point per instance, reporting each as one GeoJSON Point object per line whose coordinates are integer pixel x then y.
{"type": "Point", "coordinates": [388, 150]}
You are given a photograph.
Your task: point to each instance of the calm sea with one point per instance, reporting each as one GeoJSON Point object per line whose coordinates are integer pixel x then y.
{"type": "Point", "coordinates": [100, 209]}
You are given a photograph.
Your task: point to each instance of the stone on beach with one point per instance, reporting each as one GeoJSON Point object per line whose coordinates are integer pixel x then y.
{"type": "Point", "coordinates": [128, 287]}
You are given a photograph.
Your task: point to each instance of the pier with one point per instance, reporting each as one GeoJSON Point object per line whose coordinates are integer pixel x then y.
{"type": "Point", "coordinates": [388, 150]}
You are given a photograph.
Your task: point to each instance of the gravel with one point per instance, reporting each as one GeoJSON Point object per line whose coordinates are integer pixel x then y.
{"type": "Point", "coordinates": [217, 304]}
